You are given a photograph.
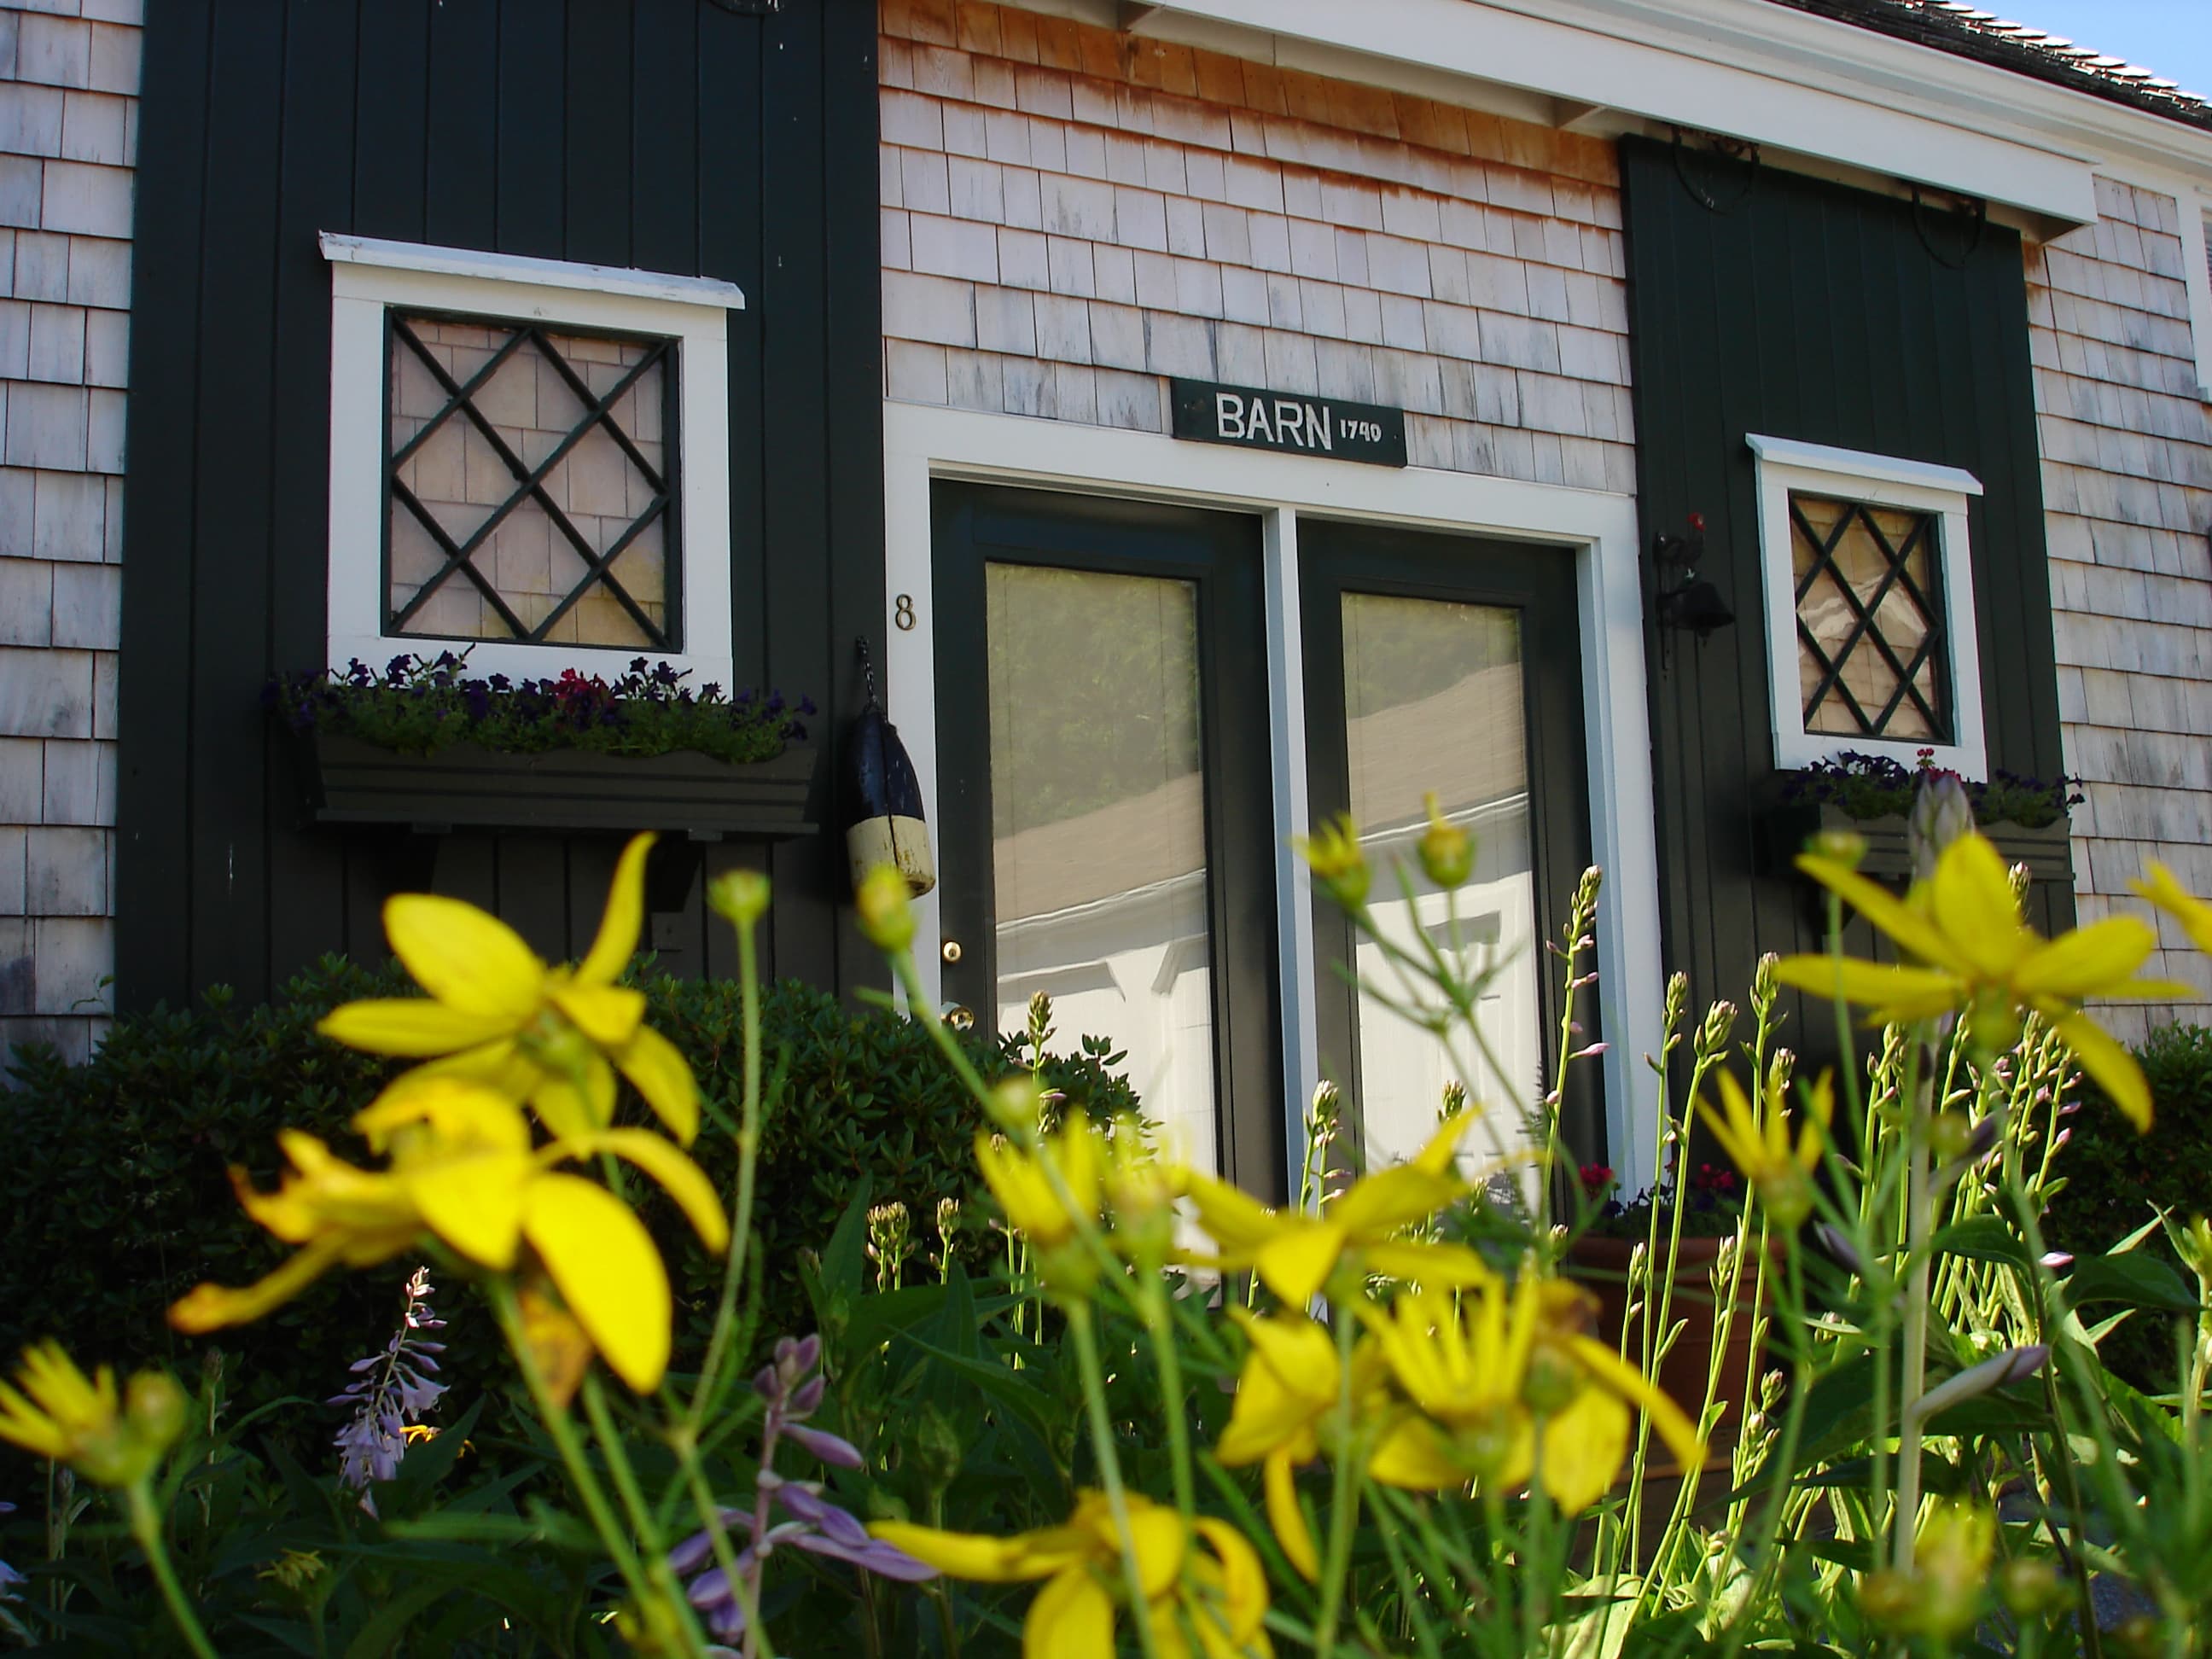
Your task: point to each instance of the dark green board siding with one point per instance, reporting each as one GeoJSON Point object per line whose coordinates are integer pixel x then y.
{"type": "Point", "coordinates": [670, 135]}
{"type": "Point", "coordinates": [1814, 312]}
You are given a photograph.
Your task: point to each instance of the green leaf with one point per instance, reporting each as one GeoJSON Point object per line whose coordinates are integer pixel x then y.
{"type": "Point", "coordinates": [1984, 1238]}
{"type": "Point", "coordinates": [2138, 1281]}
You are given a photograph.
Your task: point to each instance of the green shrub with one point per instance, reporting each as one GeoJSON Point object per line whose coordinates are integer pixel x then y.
{"type": "Point", "coordinates": [114, 1198]}
{"type": "Point", "coordinates": [2113, 1176]}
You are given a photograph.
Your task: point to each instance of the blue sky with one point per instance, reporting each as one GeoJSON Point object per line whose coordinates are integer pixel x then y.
{"type": "Point", "coordinates": [2172, 38]}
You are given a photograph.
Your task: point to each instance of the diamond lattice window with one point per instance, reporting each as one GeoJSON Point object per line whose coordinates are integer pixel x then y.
{"type": "Point", "coordinates": [1871, 652]}
{"type": "Point", "coordinates": [530, 484]}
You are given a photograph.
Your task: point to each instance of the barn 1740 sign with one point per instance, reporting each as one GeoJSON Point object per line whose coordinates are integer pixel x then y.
{"type": "Point", "coordinates": [1253, 419]}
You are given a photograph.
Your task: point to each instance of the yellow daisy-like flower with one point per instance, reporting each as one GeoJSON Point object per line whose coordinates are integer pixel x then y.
{"type": "Point", "coordinates": [56, 1411]}
{"type": "Point", "coordinates": [1289, 1382]}
{"type": "Point", "coordinates": [1294, 1253]}
{"type": "Point", "coordinates": [1018, 1179]}
{"type": "Point", "coordinates": [1757, 1140]}
{"type": "Point", "coordinates": [464, 1169]}
{"type": "Point", "coordinates": [1339, 862]}
{"type": "Point", "coordinates": [1482, 1369]}
{"type": "Point", "coordinates": [553, 1036]}
{"type": "Point", "coordinates": [1217, 1594]}
{"type": "Point", "coordinates": [1974, 954]}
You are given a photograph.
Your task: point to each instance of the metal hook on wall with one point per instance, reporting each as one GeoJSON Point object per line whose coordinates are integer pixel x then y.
{"type": "Point", "coordinates": [1732, 150]}
{"type": "Point", "coordinates": [1975, 209]}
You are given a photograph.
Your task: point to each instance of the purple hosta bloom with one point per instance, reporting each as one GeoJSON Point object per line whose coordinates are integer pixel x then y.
{"type": "Point", "coordinates": [10, 1578]}
{"type": "Point", "coordinates": [816, 1525]}
{"type": "Point", "coordinates": [792, 1389]}
{"type": "Point", "coordinates": [390, 1391]}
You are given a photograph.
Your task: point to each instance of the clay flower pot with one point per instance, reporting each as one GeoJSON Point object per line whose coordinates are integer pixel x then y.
{"type": "Point", "coordinates": [1601, 1265]}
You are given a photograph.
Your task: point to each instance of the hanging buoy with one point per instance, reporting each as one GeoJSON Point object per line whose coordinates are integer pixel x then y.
{"type": "Point", "coordinates": [883, 797]}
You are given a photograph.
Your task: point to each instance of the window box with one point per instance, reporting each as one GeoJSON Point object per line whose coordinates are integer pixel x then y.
{"type": "Point", "coordinates": [2047, 851]}
{"type": "Point", "coordinates": [568, 791]}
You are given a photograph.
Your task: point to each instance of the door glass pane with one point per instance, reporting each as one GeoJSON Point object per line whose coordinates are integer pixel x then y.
{"type": "Point", "coordinates": [1433, 696]}
{"type": "Point", "coordinates": [1098, 827]}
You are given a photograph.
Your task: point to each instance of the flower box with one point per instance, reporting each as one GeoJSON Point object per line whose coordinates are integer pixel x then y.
{"type": "Point", "coordinates": [562, 791]}
{"type": "Point", "coordinates": [2046, 851]}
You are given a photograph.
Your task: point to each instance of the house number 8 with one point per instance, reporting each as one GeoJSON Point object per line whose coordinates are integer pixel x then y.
{"type": "Point", "coordinates": [904, 614]}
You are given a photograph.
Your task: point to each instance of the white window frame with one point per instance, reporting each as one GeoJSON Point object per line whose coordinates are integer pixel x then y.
{"type": "Point", "coordinates": [369, 277]}
{"type": "Point", "coordinates": [1785, 464]}
{"type": "Point", "coordinates": [1597, 529]}
{"type": "Point", "coordinates": [2196, 275]}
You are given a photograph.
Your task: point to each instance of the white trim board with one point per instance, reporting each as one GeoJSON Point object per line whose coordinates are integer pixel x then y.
{"type": "Point", "coordinates": [1785, 464]}
{"type": "Point", "coordinates": [1597, 529]}
{"type": "Point", "coordinates": [484, 266]}
{"type": "Point", "coordinates": [1790, 80]}
{"type": "Point", "coordinates": [367, 279]}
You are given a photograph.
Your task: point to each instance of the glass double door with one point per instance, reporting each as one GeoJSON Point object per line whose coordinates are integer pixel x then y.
{"type": "Point", "coordinates": [1107, 803]}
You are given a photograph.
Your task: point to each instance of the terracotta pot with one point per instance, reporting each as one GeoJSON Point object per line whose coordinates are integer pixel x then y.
{"type": "Point", "coordinates": [1602, 1264]}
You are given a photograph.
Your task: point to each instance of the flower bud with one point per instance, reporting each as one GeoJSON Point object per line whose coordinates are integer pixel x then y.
{"type": "Point", "coordinates": [1446, 852]}
{"type": "Point", "coordinates": [1949, 1135]}
{"type": "Point", "coordinates": [2030, 1588]}
{"type": "Point", "coordinates": [1844, 847]}
{"type": "Point", "coordinates": [1941, 814]}
{"type": "Point", "coordinates": [1339, 862]}
{"type": "Point", "coordinates": [885, 908]}
{"type": "Point", "coordinates": [740, 896]}
{"type": "Point", "coordinates": [155, 1408]}
{"type": "Point", "coordinates": [1016, 1105]}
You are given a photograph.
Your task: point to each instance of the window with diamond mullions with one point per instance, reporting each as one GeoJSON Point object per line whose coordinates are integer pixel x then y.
{"type": "Point", "coordinates": [531, 484]}
{"type": "Point", "coordinates": [1871, 649]}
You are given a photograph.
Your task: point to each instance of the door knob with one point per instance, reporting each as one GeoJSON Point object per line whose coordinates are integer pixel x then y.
{"type": "Point", "coordinates": [951, 951]}
{"type": "Point", "coordinates": [960, 1018]}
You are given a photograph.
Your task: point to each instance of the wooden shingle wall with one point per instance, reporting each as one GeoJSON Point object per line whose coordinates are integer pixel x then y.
{"type": "Point", "coordinates": [1070, 214]}
{"type": "Point", "coordinates": [68, 80]}
{"type": "Point", "coordinates": [2127, 472]}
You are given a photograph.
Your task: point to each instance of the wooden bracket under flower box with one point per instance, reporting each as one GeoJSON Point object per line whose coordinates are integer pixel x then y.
{"type": "Point", "coordinates": [2048, 852]}
{"type": "Point", "coordinates": [562, 791]}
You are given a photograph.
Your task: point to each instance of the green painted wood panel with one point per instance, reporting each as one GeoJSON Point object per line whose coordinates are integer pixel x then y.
{"type": "Point", "coordinates": [1813, 311]}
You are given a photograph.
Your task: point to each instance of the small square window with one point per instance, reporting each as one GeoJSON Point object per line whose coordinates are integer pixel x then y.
{"type": "Point", "coordinates": [525, 455]}
{"type": "Point", "coordinates": [1870, 606]}
{"type": "Point", "coordinates": [1870, 619]}
{"type": "Point", "coordinates": [531, 485]}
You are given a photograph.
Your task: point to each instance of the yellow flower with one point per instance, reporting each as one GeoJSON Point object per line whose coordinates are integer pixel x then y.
{"type": "Point", "coordinates": [1973, 953]}
{"type": "Point", "coordinates": [1446, 852]}
{"type": "Point", "coordinates": [1217, 1593]}
{"type": "Point", "coordinates": [463, 1169]}
{"type": "Point", "coordinates": [2194, 915]}
{"type": "Point", "coordinates": [1018, 1179]}
{"type": "Point", "coordinates": [1338, 862]}
{"type": "Point", "coordinates": [1294, 1253]}
{"type": "Point", "coordinates": [1482, 1370]}
{"type": "Point", "coordinates": [1289, 1382]}
{"type": "Point", "coordinates": [1758, 1143]}
{"type": "Point", "coordinates": [500, 1015]}
{"type": "Point", "coordinates": [59, 1412]}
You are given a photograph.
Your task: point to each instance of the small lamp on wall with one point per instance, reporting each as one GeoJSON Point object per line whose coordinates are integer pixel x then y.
{"type": "Point", "coordinates": [1685, 601]}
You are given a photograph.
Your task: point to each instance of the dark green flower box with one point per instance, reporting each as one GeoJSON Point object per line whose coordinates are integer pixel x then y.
{"type": "Point", "coordinates": [2046, 851]}
{"type": "Point", "coordinates": [559, 790]}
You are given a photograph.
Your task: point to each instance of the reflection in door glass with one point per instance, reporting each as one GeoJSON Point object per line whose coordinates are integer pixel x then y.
{"type": "Point", "coordinates": [1098, 827]}
{"type": "Point", "coordinates": [1433, 696]}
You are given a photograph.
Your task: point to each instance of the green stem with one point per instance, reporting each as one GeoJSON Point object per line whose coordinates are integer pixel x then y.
{"type": "Point", "coordinates": [718, 1535]}
{"type": "Point", "coordinates": [1917, 1221]}
{"type": "Point", "coordinates": [664, 1581]}
{"type": "Point", "coordinates": [1110, 1468]}
{"type": "Point", "coordinates": [748, 1166]}
{"type": "Point", "coordinates": [1344, 1507]}
{"type": "Point", "coordinates": [561, 1429]}
{"type": "Point", "coordinates": [1158, 1324]}
{"type": "Point", "coordinates": [146, 1527]}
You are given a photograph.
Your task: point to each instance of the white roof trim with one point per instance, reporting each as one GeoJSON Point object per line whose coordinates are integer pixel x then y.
{"type": "Point", "coordinates": [542, 273]}
{"type": "Point", "coordinates": [1783, 79]}
{"type": "Point", "coordinates": [1860, 467]}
